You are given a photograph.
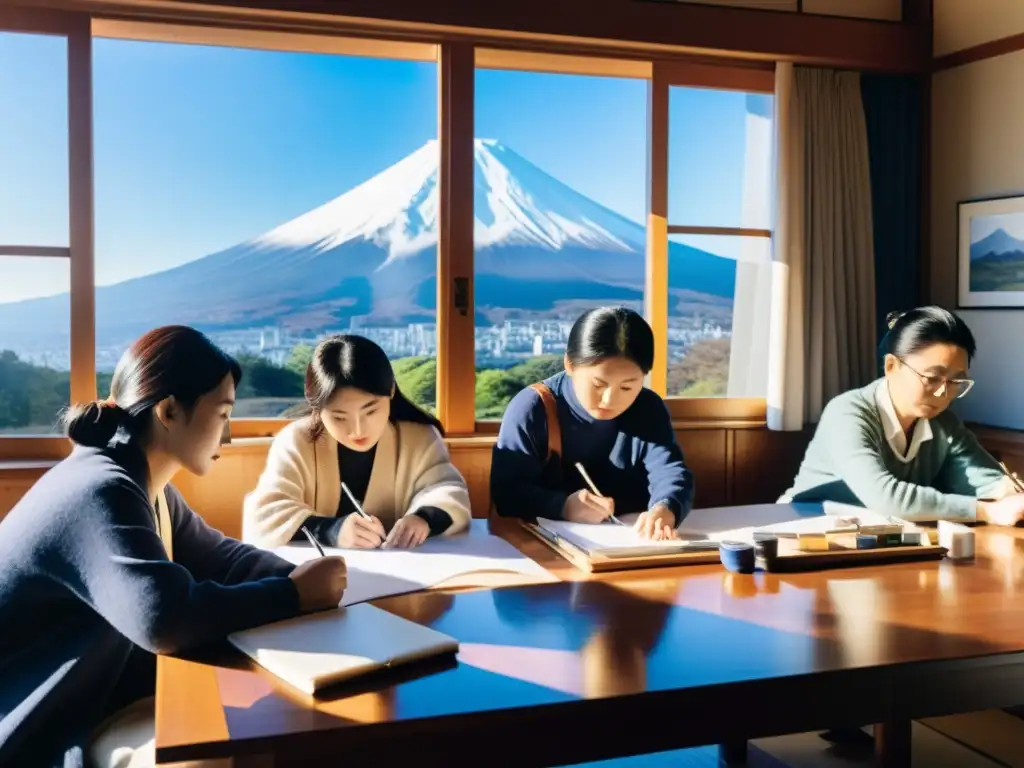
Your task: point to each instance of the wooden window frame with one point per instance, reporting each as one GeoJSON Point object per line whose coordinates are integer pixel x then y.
{"type": "Point", "coordinates": [75, 28]}
{"type": "Point", "coordinates": [457, 63]}
{"type": "Point", "coordinates": [747, 78]}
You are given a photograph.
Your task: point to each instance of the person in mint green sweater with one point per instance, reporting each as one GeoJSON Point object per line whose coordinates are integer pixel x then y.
{"type": "Point", "coordinates": [895, 448]}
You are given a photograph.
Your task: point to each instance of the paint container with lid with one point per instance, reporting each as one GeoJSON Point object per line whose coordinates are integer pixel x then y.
{"type": "Point", "coordinates": [737, 556]}
{"type": "Point", "coordinates": [766, 550]}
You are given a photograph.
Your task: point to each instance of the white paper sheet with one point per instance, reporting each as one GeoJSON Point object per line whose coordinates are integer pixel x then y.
{"type": "Point", "coordinates": [739, 523]}
{"type": "Point", "coordinates": [607, 538]}
{"type": "Point", "coordinates": [376, 573]}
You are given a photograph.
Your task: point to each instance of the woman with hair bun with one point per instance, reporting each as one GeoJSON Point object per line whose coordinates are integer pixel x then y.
{"type": "Point", "coordinates": [596, 413]}
{"type": "Point", "coordinates": [895, 448]}
{"type": "Point", "coordinates": [364, 432]}
{"type": "Point", "coordinates": [103, 565]}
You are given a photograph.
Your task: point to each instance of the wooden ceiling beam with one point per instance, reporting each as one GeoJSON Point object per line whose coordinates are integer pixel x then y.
{"type": "Point", "coordinates": [634, 25]}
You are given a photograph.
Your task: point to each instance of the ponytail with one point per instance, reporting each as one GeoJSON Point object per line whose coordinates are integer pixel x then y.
{"type": "Point", "coordinates": [93, 424]}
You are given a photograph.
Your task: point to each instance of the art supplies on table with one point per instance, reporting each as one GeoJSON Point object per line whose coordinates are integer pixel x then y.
{"type": "Point", "coordinates": [322, 649]}
{"type": "Point", "coordinates": [781, 537]}
{"type": "Point", "coordinates": [812, 537]}
{"type": "Point", "coordinates": [802, 522]}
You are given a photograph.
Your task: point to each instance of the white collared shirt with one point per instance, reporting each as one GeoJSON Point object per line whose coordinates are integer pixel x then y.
{"type": "Point", "coordinates": [894, 434]}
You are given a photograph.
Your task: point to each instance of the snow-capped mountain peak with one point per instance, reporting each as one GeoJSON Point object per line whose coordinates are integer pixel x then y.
{"type": "Point", "coordinates": [516, 203]}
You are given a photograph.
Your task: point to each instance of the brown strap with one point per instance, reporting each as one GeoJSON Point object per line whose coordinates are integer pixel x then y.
{"type": "Point", "coordinates": [554, 426]}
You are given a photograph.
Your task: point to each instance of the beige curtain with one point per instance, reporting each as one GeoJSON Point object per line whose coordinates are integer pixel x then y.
{"type": "Point", "coordinates": [822, 327]}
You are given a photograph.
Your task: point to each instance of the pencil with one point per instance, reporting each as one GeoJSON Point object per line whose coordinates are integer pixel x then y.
{"type": "Point", "coordinates": [1017, 485]}
{"type": "Point", "coordinates": [313, 541]}
{"type": "Point", "coordinates": [355, 503]}
{"type": "Point", "coordinates": [593, 488]}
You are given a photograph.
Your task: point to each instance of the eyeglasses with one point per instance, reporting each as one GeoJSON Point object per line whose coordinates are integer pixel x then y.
{"type": "Point", "coordinates": [934, 385]}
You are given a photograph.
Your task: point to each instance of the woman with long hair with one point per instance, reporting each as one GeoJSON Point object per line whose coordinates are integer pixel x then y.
{"type": "Point", "coordinates": [103, 565]}
{"type": "Point", "coordinates": [364, 433]}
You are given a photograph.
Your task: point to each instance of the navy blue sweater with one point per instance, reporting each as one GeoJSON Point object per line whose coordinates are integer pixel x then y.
{"type": "Point", "coordinates": [87, 596]}
{"type": "Point", "coordinates": [634, 458]}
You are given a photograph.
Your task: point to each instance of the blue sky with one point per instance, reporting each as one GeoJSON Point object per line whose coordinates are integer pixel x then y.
{"type": "Point", "coordinates": [198, 148]}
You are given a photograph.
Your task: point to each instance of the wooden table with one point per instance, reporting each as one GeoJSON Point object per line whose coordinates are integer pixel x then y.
{"type": "Point", "coordinates": [601, 666]}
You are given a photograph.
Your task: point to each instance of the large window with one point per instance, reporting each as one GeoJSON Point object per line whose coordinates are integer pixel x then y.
{"type": "Point", "coordinates": [273, 189]}
{"type": "Point", "coordinates": [34, 244]}
{"type": "Point", "coordinates": [268, 198]}
{"type": "Point", "coordinates": [559, 209]}
{"type": "Point", "coordinates": [719, 213]}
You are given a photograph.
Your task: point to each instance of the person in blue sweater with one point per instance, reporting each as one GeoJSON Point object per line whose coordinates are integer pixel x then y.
{"type": "Point", "coordinates": [596, 413]}
{"type": "Point", "coordinates": [103, 565]}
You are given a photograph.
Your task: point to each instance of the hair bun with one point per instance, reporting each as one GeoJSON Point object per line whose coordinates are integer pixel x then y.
{"type": "Point", "coordinates": [892, 317]}
{"type": "Point", "coordinates": [93, 424]}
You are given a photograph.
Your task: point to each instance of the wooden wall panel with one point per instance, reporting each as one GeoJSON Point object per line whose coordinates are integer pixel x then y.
{"type": "Point", "coordinates": [472, 457]}
{"type": "Point", "coordinates": [15, 480]}
{"type": "Point", "coordinates": [218, 495]}
{"type": "Point", "coordinates": [764, 463]}
{"type": "Point", "coordinates": [705, 453]}
{"type": "Point", "coordinates": [730, 466]}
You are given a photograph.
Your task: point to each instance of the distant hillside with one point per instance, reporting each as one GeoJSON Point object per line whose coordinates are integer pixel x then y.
{"type": "Point", "coordinates": [370, 255]}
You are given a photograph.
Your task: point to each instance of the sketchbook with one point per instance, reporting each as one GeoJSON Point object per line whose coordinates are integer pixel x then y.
{"type": "Point", "coordinates": [377, 573]}
{"type": "Point", "coordinates": [610, 540]}
{"type": "Point", "coordinates": [315, 651]}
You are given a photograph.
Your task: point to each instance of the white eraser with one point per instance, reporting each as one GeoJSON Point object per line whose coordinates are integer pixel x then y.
{"type": "Point", "coordinates": [957, 539]}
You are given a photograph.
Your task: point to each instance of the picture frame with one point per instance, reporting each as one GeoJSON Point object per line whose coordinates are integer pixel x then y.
{"type": "Point", "coordinates": [990, 253]}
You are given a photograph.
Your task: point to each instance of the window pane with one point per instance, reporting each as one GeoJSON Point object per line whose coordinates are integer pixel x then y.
{"type": "Point", "coordinates": [33, 140]}
{"type": "Point", "coordinates": [269, 199]}
{"type": "Point", "coordinates": [719, 292]}
{"type": "Point", "coordinates": [720, 158]}
{"type": "Point", "coordinates": [34, 344]}
{"type": "Point", "coordinates": [560, 194]}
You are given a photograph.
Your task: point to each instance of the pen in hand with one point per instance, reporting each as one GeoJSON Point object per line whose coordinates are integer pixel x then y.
{"type": "Point", "coordinates": [313, 541]}
{"type": "Point", "coordinates": [593, 489]}
{"type": "Point", "coordinates": [358, 507]}
{"type": "Point", "coordinates": [1014, 479]}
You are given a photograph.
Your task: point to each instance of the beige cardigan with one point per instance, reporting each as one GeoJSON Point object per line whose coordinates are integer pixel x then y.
{"type": "Point", "coordinates": [411, 470]}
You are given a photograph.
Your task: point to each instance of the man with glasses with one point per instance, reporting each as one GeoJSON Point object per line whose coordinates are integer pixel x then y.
{"type": "Point", "coordinates": [894, 446]}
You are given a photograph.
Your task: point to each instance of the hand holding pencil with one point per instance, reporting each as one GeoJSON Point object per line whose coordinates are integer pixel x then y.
{"type": "Point", "coordinates": [360, 530]}
{"type": "Point", "coordinates": [589, 505]}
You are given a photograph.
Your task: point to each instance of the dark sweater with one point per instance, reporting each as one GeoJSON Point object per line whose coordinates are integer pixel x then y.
{"type": "Point", "coordinates": [87, 596]}
{"type": "Point", "coordinates": [634, 458]}
{"type": "Point", "coordinates": [356, 467]}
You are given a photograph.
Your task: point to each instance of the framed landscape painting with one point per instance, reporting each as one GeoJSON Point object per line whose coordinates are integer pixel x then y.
{"type": "Point", "coordinates": [990, 253]}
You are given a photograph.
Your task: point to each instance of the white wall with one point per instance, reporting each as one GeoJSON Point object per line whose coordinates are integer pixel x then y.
{"type": "Point", "coordinates": [978, 151]}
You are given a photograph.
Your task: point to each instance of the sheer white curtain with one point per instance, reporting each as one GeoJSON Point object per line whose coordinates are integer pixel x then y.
{"type": "Point", "coordinates": [822, 327]}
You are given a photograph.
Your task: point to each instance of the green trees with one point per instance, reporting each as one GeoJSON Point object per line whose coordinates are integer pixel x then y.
{"type": "Point", "coordinates": [32, 396]}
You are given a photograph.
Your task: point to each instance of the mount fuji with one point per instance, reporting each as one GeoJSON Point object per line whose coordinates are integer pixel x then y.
{"type": "Point", "coordinates": [369, 256]}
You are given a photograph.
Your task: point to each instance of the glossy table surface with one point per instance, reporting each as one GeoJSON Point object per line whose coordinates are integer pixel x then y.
{"type": "Point", "coordinates": [669, 646]}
